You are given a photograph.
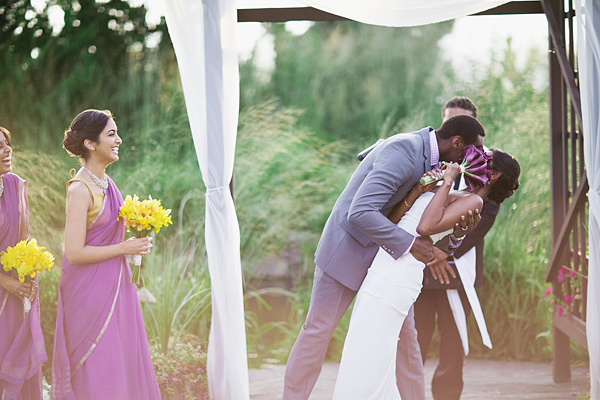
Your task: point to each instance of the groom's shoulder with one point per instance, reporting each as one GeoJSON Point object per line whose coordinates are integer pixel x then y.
{"type": "Point", "coordinates": [414, 140]}
{"type": "Point", "coordinates": [414, 135]}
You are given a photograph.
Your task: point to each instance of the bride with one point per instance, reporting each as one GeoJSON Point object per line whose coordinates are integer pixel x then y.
{"type": "Point", "coordinates": [367, 368]}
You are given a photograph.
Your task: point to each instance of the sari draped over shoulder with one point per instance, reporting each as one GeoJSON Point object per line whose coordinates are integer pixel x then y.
{"type": "Point", "coordinates": [22, 349]}
{"type": "Point", "coordinates": [100, 345]}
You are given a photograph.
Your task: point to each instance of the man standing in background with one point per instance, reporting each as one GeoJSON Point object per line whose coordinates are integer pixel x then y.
{"type": "Point", "coordinates": [439, 277]}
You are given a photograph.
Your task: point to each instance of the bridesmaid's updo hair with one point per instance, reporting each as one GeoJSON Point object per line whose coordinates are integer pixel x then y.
{"type": "Point", "coordinates": [508, 182]}
{"type": "Point", "coordinates": [88, 124]}
{"type": "Point", "coordinates": [6, 134]}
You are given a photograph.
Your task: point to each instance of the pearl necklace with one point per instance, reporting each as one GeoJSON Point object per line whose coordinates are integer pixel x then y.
{"type": "Point", "coordinates": [1, 186]}
{"type": "Point", "coordinates": [101, 183]}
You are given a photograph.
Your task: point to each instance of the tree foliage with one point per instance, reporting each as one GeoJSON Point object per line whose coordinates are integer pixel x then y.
{"type": "Point", "coordinates": [108, 30]}
{"type": "Point", "coordinates": [99, 58]}
{"type": "Point", "coordinates": [355, 81]}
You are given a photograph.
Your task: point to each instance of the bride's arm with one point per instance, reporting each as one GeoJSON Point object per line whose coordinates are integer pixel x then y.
{"type": "Point", "coordinates": [401, 208]}
{"type": "Point", "coordinates": [439, 218]}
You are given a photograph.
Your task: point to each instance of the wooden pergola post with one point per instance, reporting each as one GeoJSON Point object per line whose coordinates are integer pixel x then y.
{"type": "Point", "coordinates": [569, 186]}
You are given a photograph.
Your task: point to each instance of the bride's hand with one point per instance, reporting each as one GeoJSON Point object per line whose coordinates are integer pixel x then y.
{"type": "Point", "coordinates": [452, 170]}
{"type": "Point", "coordinates": [435, 175]}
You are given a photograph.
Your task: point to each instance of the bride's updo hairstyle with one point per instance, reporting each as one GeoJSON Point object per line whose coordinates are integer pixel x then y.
{"type": "Point", "coordinates": [508, 182]}
{"type": "Point", "coordinates": [88, 124]}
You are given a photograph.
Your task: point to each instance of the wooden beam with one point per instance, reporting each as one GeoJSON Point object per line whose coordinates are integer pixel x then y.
{"type": "Point", "coordinates": [563, 61]}
{"type": "Point", "coordinates": [559, 246]}
{"type": "Point", "coordinates": [515, 7]}
{"type": "Point", "coordinates": [313, 14]}
{"type": "Point", "coordinates": [572, 326]}
{"type": "Point", "coordinates": [285, 15]}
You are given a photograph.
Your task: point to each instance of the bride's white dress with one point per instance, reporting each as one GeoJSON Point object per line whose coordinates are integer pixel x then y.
{"type": "Point", "coordinates": [368, 366]}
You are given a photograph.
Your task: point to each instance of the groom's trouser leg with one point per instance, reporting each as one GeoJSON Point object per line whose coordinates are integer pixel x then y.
{"type": "Point", "coordinates": [329, 301]}
{"type": "Point", "coordinates": [447, 382]}
{"type": "Point", "coordinates": [410, 375]}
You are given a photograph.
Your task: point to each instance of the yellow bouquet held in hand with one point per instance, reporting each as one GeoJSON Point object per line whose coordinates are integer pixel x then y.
{"type": "Point", "coordinates": [141, 217]}
{"type": "Point", "coordinates": [26, 259]}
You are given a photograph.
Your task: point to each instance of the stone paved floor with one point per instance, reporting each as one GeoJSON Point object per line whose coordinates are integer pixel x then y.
{"type": "Point", "coordinates": [484, 379]}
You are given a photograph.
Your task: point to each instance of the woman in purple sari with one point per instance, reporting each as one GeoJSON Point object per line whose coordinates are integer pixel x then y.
{"type": "Point", "coordinates": [100, 347]}
{"type": "Point", "coordinates": [22, 350]}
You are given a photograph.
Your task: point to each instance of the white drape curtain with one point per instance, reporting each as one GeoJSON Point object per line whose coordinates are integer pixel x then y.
{"type": "Point", "coordinates": [588, 48]}
{"type": "Point", "coordinates": [203, 35]}
{"type": "Point", "coordinates": [402, 12]}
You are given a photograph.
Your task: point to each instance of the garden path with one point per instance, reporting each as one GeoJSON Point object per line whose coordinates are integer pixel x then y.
{"type": "Point", "coordinates": [484, 379]}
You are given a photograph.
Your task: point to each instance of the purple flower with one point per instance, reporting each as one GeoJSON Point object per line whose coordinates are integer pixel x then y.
{"type": "Point", "coordinates": [477, 167]}
{"type": "Point", "coordinates": [475, 164]}
{"type": "Point", "coordinates": [548, 291]}
{"type": "Point", "coordinates": [560, 310]}
{"type": "Point", "coordinates": [568, 299]}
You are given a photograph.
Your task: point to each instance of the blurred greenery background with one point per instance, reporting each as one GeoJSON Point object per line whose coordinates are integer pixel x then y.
{"type": "Point", "coordinates": [332, 91]}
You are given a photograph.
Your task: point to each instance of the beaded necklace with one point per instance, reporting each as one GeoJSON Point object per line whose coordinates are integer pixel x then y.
{"type": "Point", "coordinates": [101, 183]}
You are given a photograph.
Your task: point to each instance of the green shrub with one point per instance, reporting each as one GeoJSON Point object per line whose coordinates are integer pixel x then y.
{"type": "Point", "coordinates": [181, 371]}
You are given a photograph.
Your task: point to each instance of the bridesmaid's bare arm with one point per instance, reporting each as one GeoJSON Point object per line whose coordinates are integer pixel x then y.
{"type": "Point", "coordinates": [79, 201]}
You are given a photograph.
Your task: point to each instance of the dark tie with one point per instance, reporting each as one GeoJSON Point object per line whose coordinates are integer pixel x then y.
{"type": "Point", "coordinates": [457, 182]}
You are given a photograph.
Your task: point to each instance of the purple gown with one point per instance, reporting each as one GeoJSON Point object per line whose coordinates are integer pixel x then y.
{"type": "Point", "coordinates": [100, 347]}
{"type": "Point", "coordinates": [22, 350]}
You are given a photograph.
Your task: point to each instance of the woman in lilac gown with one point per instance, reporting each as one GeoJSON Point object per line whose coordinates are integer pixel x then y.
{"type": "Point", "coordinates": [22, 350]}
{"type": "Point", "coordinates": [100, 348]}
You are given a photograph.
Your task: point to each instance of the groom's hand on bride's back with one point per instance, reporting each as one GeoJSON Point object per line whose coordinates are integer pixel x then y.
{"type": "Point", "coordinates": [422, 248]}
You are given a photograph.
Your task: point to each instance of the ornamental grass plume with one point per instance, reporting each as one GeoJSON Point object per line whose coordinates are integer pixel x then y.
{"type": "Point", "coordinates": [26, 259]}
{"type": "Point", "coordinates": [476, 167]}
{"type": "Point", "coordinates": [142, 217]}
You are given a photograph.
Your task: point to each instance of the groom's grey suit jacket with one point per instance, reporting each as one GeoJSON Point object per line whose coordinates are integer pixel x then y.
{"type": "Point", "coordinates": [358, 223]}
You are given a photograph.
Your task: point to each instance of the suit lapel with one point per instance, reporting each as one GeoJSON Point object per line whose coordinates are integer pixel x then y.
{"type": "Point", "coordinates": [424, 133]}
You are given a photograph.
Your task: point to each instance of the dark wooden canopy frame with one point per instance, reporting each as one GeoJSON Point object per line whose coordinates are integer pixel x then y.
{"type": "Point", "coordinates": [568, 178]}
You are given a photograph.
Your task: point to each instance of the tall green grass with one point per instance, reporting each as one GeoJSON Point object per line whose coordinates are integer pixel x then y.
{"type": "Point", "coordinates": [46, 177]}
{"type": "Point", "coordinates": [287, 180]}
{"type": "Point", "coordinates": [181, 286]}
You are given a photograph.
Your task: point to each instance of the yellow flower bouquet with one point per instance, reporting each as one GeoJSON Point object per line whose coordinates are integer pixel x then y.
{"type": "Point", "coordinates": [142, 217]}
{"type": "Point", "coordinates": [26, 259]}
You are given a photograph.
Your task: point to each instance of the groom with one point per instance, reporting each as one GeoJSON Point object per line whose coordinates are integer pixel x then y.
{"type": "Point", "coordinates": [358, 226]}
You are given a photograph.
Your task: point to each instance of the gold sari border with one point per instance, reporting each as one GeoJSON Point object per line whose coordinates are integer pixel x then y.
{"type": "Point", "coordinates": [4, 302]}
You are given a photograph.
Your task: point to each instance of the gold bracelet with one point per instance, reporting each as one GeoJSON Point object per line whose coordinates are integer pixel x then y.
{"type": "Point", "coordinates": [407, 205]}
